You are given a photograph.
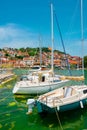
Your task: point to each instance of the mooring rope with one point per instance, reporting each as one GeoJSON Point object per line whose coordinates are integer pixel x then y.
{"type": "Point", "coordinates": [58, 119]}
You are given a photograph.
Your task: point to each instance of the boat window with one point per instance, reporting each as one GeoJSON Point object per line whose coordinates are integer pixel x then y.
{"type": "Point", "coordinates": [36, 67]}
{"type": "Point", "coordinates": [56, 80]}
{"type": "Point", "coordinates": [23, 78]}
{"type": "Point", "coordinates": [43, 78]}
{"type": "Point", "coordinates": [85, 91]}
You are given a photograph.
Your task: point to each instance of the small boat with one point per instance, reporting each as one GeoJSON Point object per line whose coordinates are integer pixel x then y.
{"type": "Point", "coordinates": [60, 100]}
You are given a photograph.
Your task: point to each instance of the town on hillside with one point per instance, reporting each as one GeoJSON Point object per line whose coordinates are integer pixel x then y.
{"type": "Point", "coordinates": [22, 58]}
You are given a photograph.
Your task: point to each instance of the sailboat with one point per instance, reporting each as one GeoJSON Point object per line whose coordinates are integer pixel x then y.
{"type": "Point", "coordinates": [39, 82]}
{"type": "Point", "coordinates": [64, 98]}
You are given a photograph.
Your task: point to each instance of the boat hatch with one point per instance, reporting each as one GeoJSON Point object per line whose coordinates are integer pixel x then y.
{"type": "Point", "coordinates": [85, 91]}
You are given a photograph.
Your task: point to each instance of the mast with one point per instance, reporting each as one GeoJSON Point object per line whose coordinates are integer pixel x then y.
{"type": "Point", "coordinates": [82, 37]}
{"type": "Point", "coordinates": [40, 50]}
{"type": "Point", "coordinates": [52, 37]}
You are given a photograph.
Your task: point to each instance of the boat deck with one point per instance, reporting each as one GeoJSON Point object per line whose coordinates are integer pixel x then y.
{"type": "Point", "coordinates": [57, 97]}
{"type": "Point", "coordinates": [36, 83]}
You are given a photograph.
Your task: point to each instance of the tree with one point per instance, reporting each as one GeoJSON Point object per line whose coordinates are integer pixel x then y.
{"type": "Point", "coordinates": [22, 49]}
{"type": "Point", "coordinates": [7, 55]}
{"type": "Point", "coordinates": [19, 57]}
{"type": "Point", "coordinates": [85, 61]}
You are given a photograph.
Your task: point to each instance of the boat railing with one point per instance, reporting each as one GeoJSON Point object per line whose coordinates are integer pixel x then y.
{"type": "Point", "coordinates": [54, 101]}
{"type": "Point", "coordinates": [57, 100]}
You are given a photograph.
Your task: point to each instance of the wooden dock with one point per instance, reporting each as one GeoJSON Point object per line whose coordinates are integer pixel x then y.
{"type": "Point", "coordinates": [5, 76]}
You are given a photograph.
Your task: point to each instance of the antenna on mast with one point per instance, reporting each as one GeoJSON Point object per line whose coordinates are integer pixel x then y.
{"type": "Point", "coordinates": [82, 37]}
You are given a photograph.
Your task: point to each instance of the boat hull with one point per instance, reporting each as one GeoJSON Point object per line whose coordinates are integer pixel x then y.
{"type": "Point", "coordinates": [75, 105]}
{"type": "Point", "coordinates": [38, 89]}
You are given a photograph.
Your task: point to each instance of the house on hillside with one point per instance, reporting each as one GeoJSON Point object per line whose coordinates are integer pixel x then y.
{"type": "Point", "coordinates": [29, 61]}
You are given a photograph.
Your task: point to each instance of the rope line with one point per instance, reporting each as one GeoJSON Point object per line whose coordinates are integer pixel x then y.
{"type": "Point", "coordinates": [58, 119]}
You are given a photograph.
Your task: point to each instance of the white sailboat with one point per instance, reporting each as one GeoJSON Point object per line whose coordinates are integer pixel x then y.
{"type": "Point", "coordinates": [40, 82]}
{"type": "Point", "coordinates": [64, 98]}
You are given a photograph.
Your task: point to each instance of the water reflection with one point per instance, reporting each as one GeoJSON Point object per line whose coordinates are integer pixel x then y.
{"type": "Point", "coordinates": [13, 116]}
{"type": "Point", "coordinates": [71, 120]}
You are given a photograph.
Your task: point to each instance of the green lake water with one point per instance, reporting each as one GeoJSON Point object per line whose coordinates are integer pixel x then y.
{"type": "Point", "coordinates": [13, 112]}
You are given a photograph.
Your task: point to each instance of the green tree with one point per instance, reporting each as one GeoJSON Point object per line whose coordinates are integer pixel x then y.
{"type": "Point", "coordinates": [32, 51]}
{"type": "Point", "coordinates": [85, 61]}
{"type": "Point", "coordinates": [7, 55]}
{"type": "Point", "coordinates": [22, 49]}
{"type": "Point", "coordinates": [45, 49]}
{"type": "Point", "coordinates": [19, 57]}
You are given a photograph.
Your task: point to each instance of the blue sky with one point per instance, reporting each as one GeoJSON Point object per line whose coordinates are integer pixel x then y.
{"type": "Point", "coordinates": [22, 22]}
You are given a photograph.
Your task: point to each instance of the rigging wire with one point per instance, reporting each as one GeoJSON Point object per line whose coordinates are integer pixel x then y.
{"type": "Point", "coordinates": [72, 21]}
{"type": "Point", "coordinates": [62, 43]}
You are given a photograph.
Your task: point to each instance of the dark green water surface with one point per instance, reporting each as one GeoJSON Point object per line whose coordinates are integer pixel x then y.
{"type": "Point", "coordinates": [13, 112]}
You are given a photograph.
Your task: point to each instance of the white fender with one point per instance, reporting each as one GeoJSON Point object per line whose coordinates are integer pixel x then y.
{"type": "Point", "coordinates": [81, 104]}
{"type": "Point", "coordinates": [58, 108]}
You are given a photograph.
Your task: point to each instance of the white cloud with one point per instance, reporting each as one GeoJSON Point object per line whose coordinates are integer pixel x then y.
{"type": "Point", "coordinates": [14, 36]}
{"type": "Point", "coordinates": [11, 35]}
